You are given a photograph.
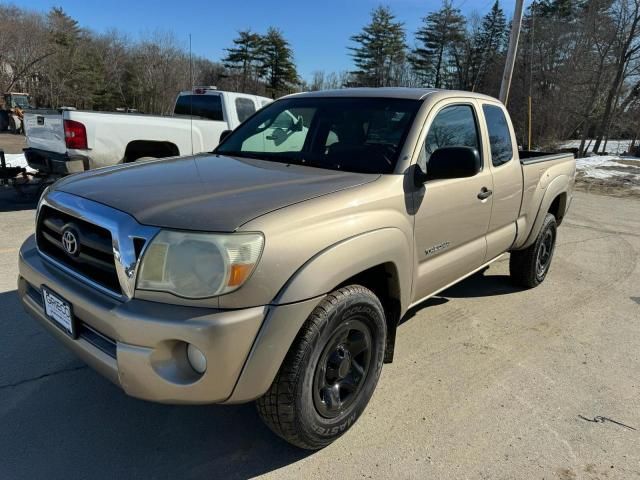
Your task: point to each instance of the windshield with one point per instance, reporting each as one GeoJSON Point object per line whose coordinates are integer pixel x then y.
{"type": "Point", "coordinates": [21, 101]}
{"type": "Point", "coordinates": [353, 134]}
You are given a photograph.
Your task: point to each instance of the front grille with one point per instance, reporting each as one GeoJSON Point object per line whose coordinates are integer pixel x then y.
{"type": "Point", "coordinates": [94, 257]}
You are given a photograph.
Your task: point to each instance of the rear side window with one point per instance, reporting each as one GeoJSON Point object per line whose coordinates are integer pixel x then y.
{"type": "Point", "coordinates": [208, 107]}
{"type": "Point", "coordinates": [499, 135]}
{"type": "Point", "coordinates": [454, 126]}
{"type": "Point", "coordinates": [245, 108]}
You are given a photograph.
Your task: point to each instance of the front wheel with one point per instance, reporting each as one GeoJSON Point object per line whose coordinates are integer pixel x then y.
{"type": "Point", "coordinates": [529, 267]}
{"type": "Point", "coordinates": [330, 371]}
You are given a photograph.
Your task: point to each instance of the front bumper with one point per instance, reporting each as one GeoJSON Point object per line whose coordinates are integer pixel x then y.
{"type": "Point", "coordinates": [58, 163]}
{"type": "Point", "coordinates": [141, 345]}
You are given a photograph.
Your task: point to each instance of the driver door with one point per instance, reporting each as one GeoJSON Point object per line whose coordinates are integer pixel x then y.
{"type": "Point", "coordinates": [451, 220]}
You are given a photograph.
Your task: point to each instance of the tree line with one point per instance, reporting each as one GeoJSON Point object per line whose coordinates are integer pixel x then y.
{"type": "Point", "coordinates": [61, 64]}
{"type": "Point", "coordinates": [578, 61]}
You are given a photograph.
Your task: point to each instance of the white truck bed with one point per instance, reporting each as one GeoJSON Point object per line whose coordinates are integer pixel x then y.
{"type": "Point", "coordinates": [112, 138]}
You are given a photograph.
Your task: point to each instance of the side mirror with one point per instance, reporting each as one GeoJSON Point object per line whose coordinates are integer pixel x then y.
{"type": "Point", "coordinates": [224, 134]}
{"type": "Point", "coordinates": [452, 162]}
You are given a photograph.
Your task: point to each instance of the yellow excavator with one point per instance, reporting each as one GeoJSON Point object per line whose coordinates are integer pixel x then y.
{"type": "Point", "coordinates": [12, 113]}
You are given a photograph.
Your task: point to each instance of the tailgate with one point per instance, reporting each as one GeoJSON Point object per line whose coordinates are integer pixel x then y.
{"type": "Point", "coordinates": [44, 130]}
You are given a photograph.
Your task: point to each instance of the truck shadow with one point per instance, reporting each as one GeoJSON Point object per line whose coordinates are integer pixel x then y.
{"type": "Point", "coordinates": [62, 420]}
{"type": "Point", "coordinates": [479, 284]}
{"type": "Point", "coordinates": [482, 284]}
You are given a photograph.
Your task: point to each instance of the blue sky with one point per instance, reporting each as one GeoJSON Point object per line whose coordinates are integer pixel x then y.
{"type": "Point", "coordinates": [318, 31]}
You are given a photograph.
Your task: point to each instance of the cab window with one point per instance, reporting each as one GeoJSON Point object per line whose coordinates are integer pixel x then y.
{"type": "Point", "coordinates": [499, 135]}
{"type": "Point", "coordinates": [245, 108]}
{"type": "Point", "coordinates": [208, 107]}
{"type": "Point", "coordinates": [454, 126]}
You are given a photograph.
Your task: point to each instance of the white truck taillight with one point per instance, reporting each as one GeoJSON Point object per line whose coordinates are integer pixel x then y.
{"type": "Point", "coordinates": [75, 135]}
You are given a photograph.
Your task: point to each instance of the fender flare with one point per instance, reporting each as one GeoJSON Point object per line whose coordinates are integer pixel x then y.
{"type": "Point", "coordinates": [558, 186]}
{"type": "Point", "coordinates": [305, 289]}
{"type": "Point", "coordinates": [341, 261]}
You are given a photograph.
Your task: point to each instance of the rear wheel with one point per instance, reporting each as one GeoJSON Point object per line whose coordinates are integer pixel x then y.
{"type": "Point", "coordinates": [529, 267]}
{"type": "Point", "coordinates": [330, 372]}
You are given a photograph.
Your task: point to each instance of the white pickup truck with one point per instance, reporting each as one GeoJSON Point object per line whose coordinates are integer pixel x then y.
{"type": "Point", "coordinates": [68, 141]}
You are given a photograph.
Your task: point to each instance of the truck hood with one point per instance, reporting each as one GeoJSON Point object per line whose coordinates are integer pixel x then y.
{"type": "Point", "coordinates": [206, 192]}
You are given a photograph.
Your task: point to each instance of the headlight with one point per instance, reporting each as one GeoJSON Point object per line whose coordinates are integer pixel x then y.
{"type": "Point", "coordinates": [199, 265]}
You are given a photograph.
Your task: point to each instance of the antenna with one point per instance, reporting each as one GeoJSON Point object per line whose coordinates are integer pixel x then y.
{"type": "Point", "coordinates": [191, 94]}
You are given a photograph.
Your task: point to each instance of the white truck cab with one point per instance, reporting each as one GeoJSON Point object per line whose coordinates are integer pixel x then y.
{"type": "Point", "coordinates": [67, 141]}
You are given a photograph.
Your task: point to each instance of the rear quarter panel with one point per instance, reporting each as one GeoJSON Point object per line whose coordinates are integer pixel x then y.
{"type": "Point", "coordinates": [543, 181]}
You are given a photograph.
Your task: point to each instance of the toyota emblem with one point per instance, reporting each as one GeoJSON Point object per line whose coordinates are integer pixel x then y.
{"type": "Point", "coordinates": [70, 242]}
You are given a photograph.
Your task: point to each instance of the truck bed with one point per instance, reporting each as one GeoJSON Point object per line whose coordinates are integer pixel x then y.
{"type": "Point", "coordinates": [532, 156]}
{"type": "Point", "coordinates": [110, 134]}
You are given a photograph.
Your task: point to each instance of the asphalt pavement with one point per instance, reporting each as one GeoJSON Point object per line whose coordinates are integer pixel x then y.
{"type": "Point", "coordinates": [489, 382]}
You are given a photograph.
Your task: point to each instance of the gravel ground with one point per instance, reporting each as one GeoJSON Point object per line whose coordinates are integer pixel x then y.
{"type": "Point", "coordinates": [11, 143]}
{"type": "Point", "coordinates": [489, 382]}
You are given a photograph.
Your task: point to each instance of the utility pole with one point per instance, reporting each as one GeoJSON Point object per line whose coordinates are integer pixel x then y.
{"type": "Point", "coordinates": [511, 52]}
{"type": "Point", "coordinates": [533, 34]}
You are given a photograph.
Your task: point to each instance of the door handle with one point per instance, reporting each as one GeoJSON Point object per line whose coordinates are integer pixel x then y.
{"type": "Point", "coordinates": [484, 193]}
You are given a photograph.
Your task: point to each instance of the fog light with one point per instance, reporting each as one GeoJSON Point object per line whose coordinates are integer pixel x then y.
{"type": "Point", "coordinates": [197, 360]}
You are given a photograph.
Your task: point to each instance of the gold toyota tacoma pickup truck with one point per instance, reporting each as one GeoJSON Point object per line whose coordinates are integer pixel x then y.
{"type": "Point", "coordinates": [278, 267]}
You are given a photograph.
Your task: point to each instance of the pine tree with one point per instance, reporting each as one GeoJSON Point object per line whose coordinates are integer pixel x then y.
{"type": "Point", "coordinates": [566, 9]}
{"type": "Point", "coordinates": [63, 29]}
{"type": "Point", "coordinates": [276, 63]}
{"type": "Point", "coordinates": [489, 43]}
{"type": "Point", "coordinates": [64, 66]}
{"type": "Point", "coordinates": [243, 56]}
{"type": "Point", "coordinates": [381, 49]}
{"type": "Point", "coordinates": [440, 34]}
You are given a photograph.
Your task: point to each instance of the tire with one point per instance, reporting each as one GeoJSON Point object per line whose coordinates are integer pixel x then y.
{"type": "Point", "coordinates": [324, 384]}
{"type": "Point", "coordinates": [529, 267]}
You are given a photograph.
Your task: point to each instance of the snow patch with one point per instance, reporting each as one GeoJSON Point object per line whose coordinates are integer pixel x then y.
{"type": "Point", "coordinates": [615, 168]}
{"type": "Point", "coordinates": [592, 166]}
{"type": "Point", "coordinates": [16, 160]}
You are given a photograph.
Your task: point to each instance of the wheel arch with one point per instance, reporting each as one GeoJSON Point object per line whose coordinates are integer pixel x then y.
{"type": "Point", "coordinates": [385, 252]}
{"type": "Point", "coordinates": [558, 207]}
{"type": "Point", "coordinates": [380, 260]}
{"type": "Point", "coordinates": [385, 270]}
{"type": "Point", "coordinates": [149, 148]}
{"type": "Point", "coordinates": [554, 200]}
{"type": "Point", "coordinates": [384, 281]}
